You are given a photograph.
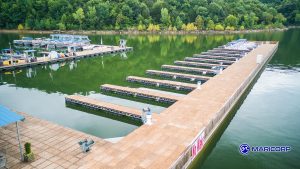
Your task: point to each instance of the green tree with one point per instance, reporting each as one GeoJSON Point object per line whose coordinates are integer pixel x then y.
{"type": "Point", "coordinates": [267, 17]}
{"type": "Point", "coordinates": [297, 18]}
{"type": "Point", "coordinates": [91, 17]}
{"type": "Point", "coordinates": [79, 16]}
{"type": "Point", "coordinates": [210, 25]}
{"type": "Point", "coordinates": [61, 26]}
{"type": "Point", "coordinates": [165, 17]}
{"type": "Point", "coordinates": [231, 21]}
{"type": "Point", "coordinates": [20, 27]}
{"type": "Point", "coordinates": [178, 22]}
{"type": "Point", "coordinates": [199, 22]}
{"type": "Point", "coordinates": [219, 27]}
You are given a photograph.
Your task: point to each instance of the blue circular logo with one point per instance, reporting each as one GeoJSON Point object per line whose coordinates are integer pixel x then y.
{"type": "Point", "coordinates": [244, 149]}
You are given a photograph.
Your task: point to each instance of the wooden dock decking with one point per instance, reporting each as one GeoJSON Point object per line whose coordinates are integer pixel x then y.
{"type": "Point", "coordinates": [224, 51]}
{"type": "Point", "coordinates": [221, 54]}
{"type": "Point", "coordinates": [150, 95]}
{"type": "Point", "coordinates": [193, 59]}
{"type": "Point", "coordinates": [166, 83]}
{"type": "Point", "coordinates": [215, 57]}
{"type": "Point", "coordinates": [83, 54]}
{"type": "Point", "coordinates": [105, 106]}
{"type": "Point", "coordinates": [175, 75]}
{"type": "Point", "coordinates": [198, 64]}
{"type": "Point", "coordinates": [189, 69]}
{"type": "Point", "coordinates": [167, 143]}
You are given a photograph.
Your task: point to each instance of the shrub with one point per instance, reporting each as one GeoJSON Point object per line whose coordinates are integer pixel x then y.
{"type": "Point", "coordinates": [20, 27]}
{"type": "Point", "coordinates": [229, 28]}
{"type": "Point", "coordinates": [219, 27]}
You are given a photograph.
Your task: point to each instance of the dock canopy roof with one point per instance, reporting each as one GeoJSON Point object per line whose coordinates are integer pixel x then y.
{"type": "Point", "coordinates": [7, 117]}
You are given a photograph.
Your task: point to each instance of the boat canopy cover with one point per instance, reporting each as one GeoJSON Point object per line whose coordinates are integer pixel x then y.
{"type": "Point", "coordinates": [28, 51]}
{"type": "Point", "coordinates": [7, 117]}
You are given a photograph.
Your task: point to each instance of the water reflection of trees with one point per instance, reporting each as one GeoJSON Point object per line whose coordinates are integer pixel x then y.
{"type": "Point", "coordinates": [149, 52]}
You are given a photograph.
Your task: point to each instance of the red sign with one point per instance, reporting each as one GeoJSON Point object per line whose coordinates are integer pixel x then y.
{"type": "Point", "coordinates": [198, 144]}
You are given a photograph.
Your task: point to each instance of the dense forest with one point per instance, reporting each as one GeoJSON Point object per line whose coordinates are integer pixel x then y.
{"type": "Point", "coordinates": [148, 15]}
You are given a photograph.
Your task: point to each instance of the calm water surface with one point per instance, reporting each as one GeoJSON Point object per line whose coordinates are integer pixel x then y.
{"type": "Point", "coordinates": [269, 115]}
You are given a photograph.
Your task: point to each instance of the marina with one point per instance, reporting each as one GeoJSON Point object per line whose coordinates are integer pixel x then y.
{"type": "Point", "coordinates": [175, 137]}
{"type": "Point", "coordinates": [65, 48]}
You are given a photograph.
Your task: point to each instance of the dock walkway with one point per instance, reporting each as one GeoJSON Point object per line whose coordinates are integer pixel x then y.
{"type": "Point", "coordinates": [193, 59]}
{"type": "Point", "coordinates": [105, 106]}
{"type": "Point", "coordinates": [174, 75]}
{"type": "Point", "coordinates": [195, 64]}
{"type": "Point", "coordinates": [215, 57]}
{"type": "Point", "coordinates": [190, 69]}
{"type": "Point", "coordinates": [165, 83]}
{"type": "Point", "coordinates": [150, 95]}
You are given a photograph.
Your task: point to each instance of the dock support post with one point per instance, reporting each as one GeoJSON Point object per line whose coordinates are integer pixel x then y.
{"type": "Point", "coordinates": [148, 119]}
{"type": "Point", "coordinates": [18, 137]}
{"type": "Point", "coordinates": [199, 85]}
{"type": "Point", "coordinates": [221, 70]}
{"type": "Point", "coordinates": [259, 59]}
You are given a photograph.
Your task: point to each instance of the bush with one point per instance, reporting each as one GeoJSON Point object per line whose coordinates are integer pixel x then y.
{"type": "Point", "coordinates": [191, 27]}
{"type": "Point", "coordinates": [20, 27]}
{"type": "Point", "coordinates": [153, 27]}
{"type": "Point", "coordinates": [229, 28]}
{"type": "Point", "coordinates": [219, 27]}
{"type": "Point", "coordinates": [141, 27]}
{"type": "Point", "coordinates": [28, 155]}
{"type": "Point", "coordinates": [242, 28]}
{"type": "Point", "coordinates": [183, 27]}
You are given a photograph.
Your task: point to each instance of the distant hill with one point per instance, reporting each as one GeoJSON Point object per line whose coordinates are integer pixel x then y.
{"type": "Point", "coordinates": [148, 14]}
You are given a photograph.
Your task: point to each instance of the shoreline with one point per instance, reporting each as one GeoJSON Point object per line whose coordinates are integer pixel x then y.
{"type": "Point", "coordinates": [136, 32]}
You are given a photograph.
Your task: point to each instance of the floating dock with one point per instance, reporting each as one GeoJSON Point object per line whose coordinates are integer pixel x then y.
{"type": "Point", "coordinates": [215, 57]}
{"type": "Point", "coordinates": [227, 51]}
{"type": "Point", "coordinates": [195, 64]}
{"type": "Point", "coordinates": [173, 140]}
{"type": "Point", "coordinates": [221, 54]}
{"type": "Point", "coordinates": [189, 77]}
{"type": "Point", "coordinates": [104, 106]}
{"type": "Point", "coordinates": [78, 55]}
{"type": "Point", "coordinates": [165, 83]}
{"type": "Point", "coordinates": [219, 61]}
{"type": "Point", "coordinates": [149, 95]}
{"type": "Point", "coordinates": [190, 69]}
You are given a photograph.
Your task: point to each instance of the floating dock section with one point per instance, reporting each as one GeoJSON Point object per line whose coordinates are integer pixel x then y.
{"type": "Point", "coordinates": [190, 69]}
{"type": "Point", "coordinates": [104, 106]}
{"type": "Point", "coordinates": [215, 57]}
{"type": "Point", "coordinates": [206, 60]}
{"type": "Point", "coordinates": [195, 64]}
{"type": "Point", "coordinates": [149, 95]}
{"type": "Point", "coordinates": [164, 83]}
{"type": "Point", "coordinates": [173, 75]}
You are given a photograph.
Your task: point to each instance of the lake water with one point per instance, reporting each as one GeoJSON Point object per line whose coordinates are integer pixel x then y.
{"type": "Point", "coordinates": [269, 115]}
